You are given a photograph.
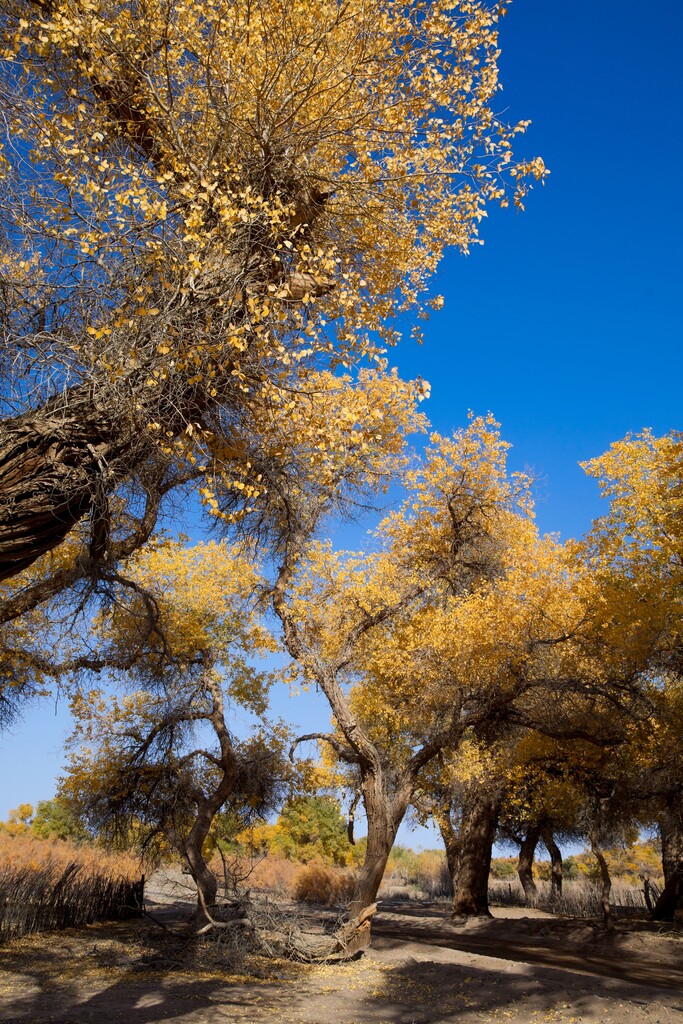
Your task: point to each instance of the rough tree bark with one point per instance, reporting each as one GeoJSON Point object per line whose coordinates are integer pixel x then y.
{"type": "Point", "coordinates": [670, 903]}
{"type": "Point", "coordinates": [478, 830]}
{"type": "Point", "coordinates": [61, 461]}
{"type": "Point", "coordinates": [384, 815]}
{"type": "Point", "coordinates": [525, 865]}
{"type": "Point", "coordinates": [53, 465]}
{"type": "Point", "coordinates": [606, 881]}
{"type": "Point", "coordinates": [671, 836]}
{"type": "Point", "coordinates": [555, 863]}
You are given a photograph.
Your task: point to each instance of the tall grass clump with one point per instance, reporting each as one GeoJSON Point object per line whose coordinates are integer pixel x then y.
{"type": "Point", "coordinates": [54, 884]}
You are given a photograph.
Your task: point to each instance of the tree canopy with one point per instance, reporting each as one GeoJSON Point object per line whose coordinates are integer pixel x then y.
{"type": "Point", "coordinates": [198, 205]}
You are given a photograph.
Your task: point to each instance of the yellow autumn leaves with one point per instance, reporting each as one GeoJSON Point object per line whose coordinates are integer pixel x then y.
{"type": "Point", "coordinates": [245, 191]}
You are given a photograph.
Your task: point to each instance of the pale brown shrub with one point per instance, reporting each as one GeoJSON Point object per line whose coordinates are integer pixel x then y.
{"type": "Point", "coordinates": [271, 872]}
{"type": "Point", "coordinates": [276, 874]}
{"type": "Point", "coordinates": [319, 883]}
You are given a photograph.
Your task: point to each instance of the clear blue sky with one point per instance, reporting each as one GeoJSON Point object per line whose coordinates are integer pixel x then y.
{"type": "Point", "coordinates": [567, 322]}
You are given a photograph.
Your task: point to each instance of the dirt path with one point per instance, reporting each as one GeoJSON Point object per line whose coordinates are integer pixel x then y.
{"type": "Point", "coordinates": [593, 952]}
{"type": "Point", "coordinates": [420, 971]}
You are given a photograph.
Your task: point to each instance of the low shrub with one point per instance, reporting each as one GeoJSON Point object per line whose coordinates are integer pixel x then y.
{"type": "Point", "coordinates": [318, 883]}
{"type": "Point", "coordinates": [277, 874]}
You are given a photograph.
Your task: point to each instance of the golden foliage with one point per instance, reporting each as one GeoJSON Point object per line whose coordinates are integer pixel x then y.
{"type": "Point", "coordinates": [240, 192]}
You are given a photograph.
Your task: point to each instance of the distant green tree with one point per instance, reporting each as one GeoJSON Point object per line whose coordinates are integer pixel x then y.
{"type": "Point", "coordinates": [503, 867]}
{"type": "Point", "coordinates": [312, 828]}
{"type": "Point", "coordinates": [58, 819]}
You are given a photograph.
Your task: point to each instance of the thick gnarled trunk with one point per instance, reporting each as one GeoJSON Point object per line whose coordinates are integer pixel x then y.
{"type": "Point", "coordinates": [477, 832]}
{"type": "Point", "coordinates": [671, 836]}
{"type": "Point", "coordinates": [669, 906]}
{"type": "Point", "coordinates": [384, 816]}
{"type": "Point", "coordinates": [61, 461]}
{"type": "Point", "coordinates": [54, 464]}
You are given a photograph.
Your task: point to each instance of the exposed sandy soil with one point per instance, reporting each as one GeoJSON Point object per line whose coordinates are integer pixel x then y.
{"type": "Point", "coordinates": [422, 970]}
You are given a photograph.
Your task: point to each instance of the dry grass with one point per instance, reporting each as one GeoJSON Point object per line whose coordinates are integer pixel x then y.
{"type": "Point", "coordinates": [276, 874]}
{"type": "Point", "coordinates": [320, 883]}
{"type": "Point", "coordinates": [423, 874]}
{"type": "Point", "coordinates": [308, 883]}
{"type": "Point", "coordinates": [580, 898]}
{"type": "Point", "coordinates": [53, 884]}
{"type": "Point", "coordinates": [271, 872]}
{"type": "Point", "coordinates": [418, 875]}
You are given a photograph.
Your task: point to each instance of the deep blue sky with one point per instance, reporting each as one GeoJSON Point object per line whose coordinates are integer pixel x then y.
{"type": "Point", "coordinates": [567, 322]}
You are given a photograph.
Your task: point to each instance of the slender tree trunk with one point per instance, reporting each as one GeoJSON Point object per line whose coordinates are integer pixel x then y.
{"type": "Point", "coordinates": [205, 880]}
{"type": "Point", "coordinates": [555, 864]}
{"type": "Point", "coordinates": [525, 865]}
{"type": "Point", "coordinates": [478, 830]}
{"type": "Point", "coordinates": [208, 807]}
{"type": "Point", "coordinates": [384, 815]}
{"type": "Point", "coordinates": [606, 881]}
{"type": "Point", "coordinates": [450, 842]}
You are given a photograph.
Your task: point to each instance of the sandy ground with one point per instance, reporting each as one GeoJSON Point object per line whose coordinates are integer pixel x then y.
{"type": "Point", "coordinates": [421, 970]}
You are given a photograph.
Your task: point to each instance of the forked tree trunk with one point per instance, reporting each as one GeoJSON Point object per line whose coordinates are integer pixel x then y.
{"type": "Point", "coordinates": [525, 865]}
{"type": "Point", "coordinates": [478, 830]}
{"type": "Point", "coordinates": [555, 864]}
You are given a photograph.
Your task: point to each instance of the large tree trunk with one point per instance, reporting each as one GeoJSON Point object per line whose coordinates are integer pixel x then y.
{"type": "Point", "coordinates": [477, 832]}
{"type": "Point", "coordinates": [671, 835]}
{"type": "Point", "coordinates": [525, 865]}
{"type": "Point", "coordinates": [61, 461]}
{"type": "Point", "coordinates": [53, 466]}
{"type": "Point", "coordinates": [670, 903]}
{"type": "Point", "coordinates": [555, 864]}
{"type": "Point", "coordinates": [384, 815]}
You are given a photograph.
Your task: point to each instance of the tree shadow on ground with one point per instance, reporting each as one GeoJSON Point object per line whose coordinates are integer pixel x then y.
{"type": "Point", "coordinates": [139, 974]}
{"type": "Point", "coordinates": [422, 990]}
{"type": "Point", "coordinates": [582, 945]}
{"type": "Point", "coordinates": [169, 978]}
